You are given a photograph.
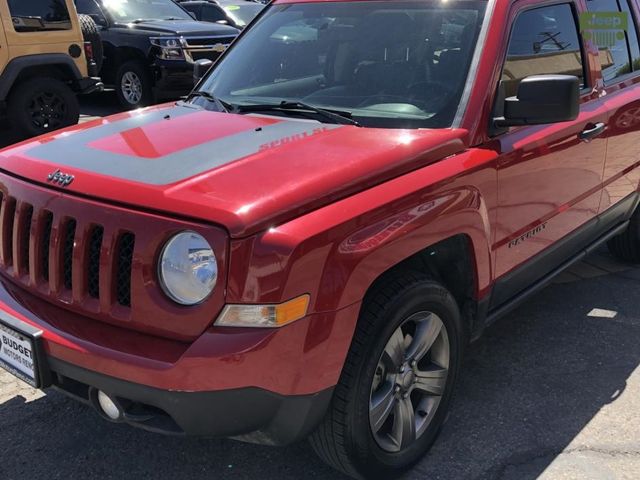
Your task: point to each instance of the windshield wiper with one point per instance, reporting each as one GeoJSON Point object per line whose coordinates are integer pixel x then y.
{"type": "Point", "coordinates": [333, 116]}
{"type": "Point", "coordinates": [141, 20]}
{"type": "Point", "coordinates": [222, 105]}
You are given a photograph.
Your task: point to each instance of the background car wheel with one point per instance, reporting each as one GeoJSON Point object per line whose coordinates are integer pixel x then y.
{"type": "Point", "coordinates": [626, 246]}
{"type": "Point", "coordinates": [91, 34]}
{"type": "Point", "coordinates": [133, 85]}
{"type": "Point", "coordinates": [397, 382]}
{"type": "Point", "coordinates": [41, 105]}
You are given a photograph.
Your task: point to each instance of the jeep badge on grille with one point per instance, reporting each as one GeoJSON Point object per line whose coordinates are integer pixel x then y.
{"type": "Point", "coordinates": [62, 179]}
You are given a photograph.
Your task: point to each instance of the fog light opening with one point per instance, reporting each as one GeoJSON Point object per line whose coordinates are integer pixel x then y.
{"type": "Point", "coordinates": [109, 406]}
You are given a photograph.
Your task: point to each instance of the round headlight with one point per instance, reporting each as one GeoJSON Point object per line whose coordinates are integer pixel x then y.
{"type": "Point", "coordinates": [188, 268]}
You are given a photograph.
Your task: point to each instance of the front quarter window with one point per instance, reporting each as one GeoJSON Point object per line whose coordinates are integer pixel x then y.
{"type": "Point", "coordinates": [387, 63]}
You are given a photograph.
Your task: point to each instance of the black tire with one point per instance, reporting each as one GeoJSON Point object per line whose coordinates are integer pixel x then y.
{"type": "Point", "coordinates": [345, 439]}
{"type": "Point", "coordinates": [40, 105]}
{"type": "Point", "coordinates": [90, 33]}
{"type": "Point", "coordinates": [138, 70]}
{"type": "Point", "coordinates": [626, 246]}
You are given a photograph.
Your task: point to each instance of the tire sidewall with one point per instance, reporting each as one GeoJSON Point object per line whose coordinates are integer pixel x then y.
{"type": "Point", "coordinates": [372, 459]}
{"type": "Point", "coordinates": [23, 95]}
{"type": "Point", "coordinates": [138, 69]}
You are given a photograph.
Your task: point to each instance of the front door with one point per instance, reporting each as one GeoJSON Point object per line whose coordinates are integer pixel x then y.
{"type": "Point", "coordinates": [549, 176]}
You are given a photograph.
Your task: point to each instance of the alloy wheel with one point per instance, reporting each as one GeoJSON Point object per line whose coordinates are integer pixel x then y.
{"type": "Point", "coordinates": [131, 87]}
{"type": "Point", "coordinates": [409, 381]}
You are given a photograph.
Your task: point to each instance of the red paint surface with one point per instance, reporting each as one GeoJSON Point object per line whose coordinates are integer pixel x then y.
{"type": "Point", "coordinates": [326, 215]}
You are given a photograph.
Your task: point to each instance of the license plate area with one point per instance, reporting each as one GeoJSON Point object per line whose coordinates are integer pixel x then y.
{"type": "Point", "coordinates": [21, 351]}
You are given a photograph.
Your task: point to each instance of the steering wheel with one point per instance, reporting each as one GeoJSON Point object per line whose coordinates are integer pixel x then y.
{"type": "Point", "coordinates": [439, 89]}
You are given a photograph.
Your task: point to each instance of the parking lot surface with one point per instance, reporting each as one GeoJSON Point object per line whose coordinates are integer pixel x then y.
{"type": "Point", "coordinates": [551, 391]}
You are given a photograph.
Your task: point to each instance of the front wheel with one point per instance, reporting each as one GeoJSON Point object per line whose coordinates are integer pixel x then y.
{"type": "Point", "coordinates": [42, 104]}
{"type": "Point", "coordinates": [133, 86]}
{"type": "Point", "coordinates": [397, 382]}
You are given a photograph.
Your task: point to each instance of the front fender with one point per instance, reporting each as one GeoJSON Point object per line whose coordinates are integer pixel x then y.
{"type": "Point", "coordinates": [17, 65]}
{"type": "Point", "coordinates": [336, 252]}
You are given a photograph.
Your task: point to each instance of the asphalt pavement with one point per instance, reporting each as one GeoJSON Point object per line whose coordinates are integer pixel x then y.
{"type": "Point", "coordinates": [551, 391]}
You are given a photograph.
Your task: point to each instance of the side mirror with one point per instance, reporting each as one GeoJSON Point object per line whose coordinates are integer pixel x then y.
{"type": "Point", "coordinates": [542, 99]}
{"type": "Point", "coordinates": [200, 69]}
{"type": "Point", "coordinates": [99, 20]}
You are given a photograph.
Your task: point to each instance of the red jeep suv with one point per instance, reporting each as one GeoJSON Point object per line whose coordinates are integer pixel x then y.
{"type": "Point", "coordinates": [305, 244]}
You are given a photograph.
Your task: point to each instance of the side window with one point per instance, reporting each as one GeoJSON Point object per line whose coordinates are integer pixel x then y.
{"type": "Point", "coordinates": [88, 7]}
{"type": "Point", "coordinates": [543, 41]}
{"type": "Point", "coordinates": [39, 15]}
{"type": "Point", "coordinates": [212, 14]}
{"type": "Point", "coordinates": [612, 29]}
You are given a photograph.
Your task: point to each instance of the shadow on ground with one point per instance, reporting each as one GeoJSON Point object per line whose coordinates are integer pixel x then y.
{"type": "Point", "coordinates": [529, 387]}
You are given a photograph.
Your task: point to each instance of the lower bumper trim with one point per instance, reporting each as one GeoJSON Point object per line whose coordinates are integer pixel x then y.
{"type": "Point", "coordinates": [247, 414]}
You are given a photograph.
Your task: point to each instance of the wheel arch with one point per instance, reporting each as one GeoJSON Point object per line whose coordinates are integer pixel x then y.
{"type": "Point", "coordinates": [57, 65]}
{"type": "Point", "coordinates": [450, 262]}
{"type": "Point", "coordinates": [116, 56]}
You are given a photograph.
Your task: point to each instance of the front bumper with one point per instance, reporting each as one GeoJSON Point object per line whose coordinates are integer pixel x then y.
{"type": "Point", "coordinates": [89, 85]}
{"type": "Point", "coordinates": [248, 414]}
{"type": "Point", "coordinates": [266, 386]}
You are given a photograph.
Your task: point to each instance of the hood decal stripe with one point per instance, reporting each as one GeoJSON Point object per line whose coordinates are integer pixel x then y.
{"type": "Point", "coordinates": [73, 151]}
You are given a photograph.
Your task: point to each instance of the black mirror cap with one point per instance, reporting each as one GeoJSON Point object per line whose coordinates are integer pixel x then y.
{"type": "Point", "coordinates": [542, 99]}
{"type": "Point", "coordinates": [200, 69]}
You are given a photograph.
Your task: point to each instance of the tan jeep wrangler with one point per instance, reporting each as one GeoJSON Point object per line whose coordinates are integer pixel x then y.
{"type": "Point", "coordinates": [47, 56]}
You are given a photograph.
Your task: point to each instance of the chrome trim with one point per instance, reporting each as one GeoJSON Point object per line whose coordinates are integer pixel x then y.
{"type": "Point", "coordinates": [473, 68]}
{"type": "Point", "coordinates": [189, 48]}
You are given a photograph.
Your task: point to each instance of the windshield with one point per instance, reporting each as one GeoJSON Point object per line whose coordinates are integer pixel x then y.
{"type": "Point", "coordinates": [242, 14]}
{"type": "Point", "coordinates": [395, 64]}
{"type": "Point", "coordinates": [127, 11]}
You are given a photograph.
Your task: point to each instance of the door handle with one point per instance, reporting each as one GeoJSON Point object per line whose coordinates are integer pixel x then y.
{"type": "Point", "coordinates": [590, 133]}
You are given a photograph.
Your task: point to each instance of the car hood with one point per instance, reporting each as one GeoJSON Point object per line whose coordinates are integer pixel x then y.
{"type": "Point", "coordinates": [244, 172]}
{"type": "Point", "coordinates": [179, 27]}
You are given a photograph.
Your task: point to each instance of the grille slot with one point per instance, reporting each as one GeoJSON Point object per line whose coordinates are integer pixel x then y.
{"type": "Point", "coordinates": [8, 217]}
{"type": "Point", "coordinates": [47, 221]}
{"type": "Point", "coordinates": [25, 232]}
{"type": "Point", "coordinates": [93, 272]}
{"type": "Point", "coordinates": [124, 254]}
{"type": "Point", "coordinates": [67, 254]}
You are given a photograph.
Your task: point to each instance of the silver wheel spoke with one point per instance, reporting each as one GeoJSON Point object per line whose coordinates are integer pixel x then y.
{"type": "Point", "coordinates": [431, 381]}
{"type": "Point", "coordinates": [394, 350]}
{"type": "Point", "coordinates": [427, 332]}
{"type": "Point", "coordinates": [409, 381]}
{"type": "Point", "coordinates": [382, 404]}
{"type": "Point", "coordinates": [404, 424]}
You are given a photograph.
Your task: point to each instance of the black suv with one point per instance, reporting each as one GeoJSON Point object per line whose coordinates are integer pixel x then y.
{"type": "Point", "coordinates": [150, 47]}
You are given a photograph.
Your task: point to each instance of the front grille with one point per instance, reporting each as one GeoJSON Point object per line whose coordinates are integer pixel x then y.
{"type": "Point", "coordinates": [57, 244]}
{"type": "Point", "coordinates": [95, 260]}
{"type": "Point", "coordinates": [207, 41]}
